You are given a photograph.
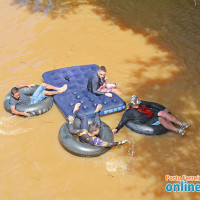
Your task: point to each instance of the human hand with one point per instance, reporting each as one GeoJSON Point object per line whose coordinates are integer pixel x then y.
{"type": "Point", "coordinates": [105, 78]}
{"type": "Point", "coordinates": [26, 114]}
{"type": "Point", "coordinates": [123, 142]}
{"type": "Point", "coordinates": [114, 130]}
{"type": "Point", "coordinates": [31, 85]}
{"type": "Point", "coordinates": [108, 94]}
{"type": "Point", "coordinates": [70, 118]}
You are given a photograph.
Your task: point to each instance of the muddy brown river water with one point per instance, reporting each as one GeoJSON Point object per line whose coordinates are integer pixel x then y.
{"type": "Point", "coordinates": [149, 48]}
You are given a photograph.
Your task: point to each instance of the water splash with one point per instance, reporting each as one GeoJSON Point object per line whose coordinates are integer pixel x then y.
{"type": "Point", "coordinates": [9, 126]}
{"type": "Point", "coordinates": [124, 162]}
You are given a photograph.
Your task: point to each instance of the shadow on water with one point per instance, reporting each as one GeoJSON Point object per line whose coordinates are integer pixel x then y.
{"type": "Point", "coordinates": [168, 154]}
{"type": "Point", "coordinates": [173, 26]}
{"type": "Point", "coordinates": [153, 160]}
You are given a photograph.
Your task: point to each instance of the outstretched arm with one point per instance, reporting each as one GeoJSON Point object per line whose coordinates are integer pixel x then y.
{"type": "Point", "coordinates": [99, 142]}
{"type": "Point", "coordinates": [124, 120]}
{"type": "Point", "coordinates": [16, 112]}
{"type": "Point", "coordinates": [25, 85]}
{"type": "Point", "coordinates": [72, 130]}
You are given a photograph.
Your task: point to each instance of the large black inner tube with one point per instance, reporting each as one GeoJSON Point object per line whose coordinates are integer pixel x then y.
{"type": "Point", "coordinates": [74, 146]}
{"type": "Point", "coordinates": [33, 109]}
{"type": "Point", "coordinates": [146, 129]}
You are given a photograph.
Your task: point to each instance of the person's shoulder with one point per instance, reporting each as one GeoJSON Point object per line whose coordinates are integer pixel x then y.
{"type": "Point", "coordinates": [131, 111]}
{"type": "Point", "coordinates": [11, 97]}
{"type": "Point", "coordinates": [83, 132]}
{"type": "Point", "coordinates": [93, 77]}
{"type": "Point", "coordinates": [145, 102]}
{"type": "Point", "coordinates": [94, 74]}
{"type": "Point", "coordinates": [13, 101]}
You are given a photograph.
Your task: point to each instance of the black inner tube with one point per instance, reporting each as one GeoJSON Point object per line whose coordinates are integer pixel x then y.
{"type": "Point", "coordinates": [33, 109]}
{"type": "Point", "coordinates": [146, 129]}
{"type": "Point", "coordinates": [74, 146]}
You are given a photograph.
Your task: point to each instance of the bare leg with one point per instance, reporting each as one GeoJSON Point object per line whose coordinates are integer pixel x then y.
{"type": "Point", "coordinates": [98, 108]}
{"type": "Point", "coordinates": [76, 107]}
{"type": "Point", "coordinates": [82, 117]}
{"type": "Point", "coordinates": [167, 124]}
{"type": "Point", "coordinates": [51, 87]}
{"type": "Point", "coordinates": [169, 117]}
{"type": "Point", "coordinates": [96, 118]}
{"type": "Point", "coordinates": [49, 93]}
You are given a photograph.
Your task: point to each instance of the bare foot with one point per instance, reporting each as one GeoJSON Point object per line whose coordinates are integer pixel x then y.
{"type": "Point", "coordinates": [63, 88]}
{"type": "Point", "coordinates": [76, 107]}
{"type": "Point", "coordinates": [98, 108]}
{"type": "Point", "coordinates": [108, 94]}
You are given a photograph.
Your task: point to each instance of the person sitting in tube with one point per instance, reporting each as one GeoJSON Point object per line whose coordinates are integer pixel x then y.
{"type": "Point", "coordinates": [40, 93]}
{"type": "Point", "coordinates": [152, 114]}
{"type": "Point", "coordinates": [97, 84]}
{"type": "Point", "coordinates": [87, 134]}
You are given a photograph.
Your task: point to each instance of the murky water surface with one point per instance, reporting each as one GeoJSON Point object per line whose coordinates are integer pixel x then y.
{"type": "Point", "coordinates": [150, 49]}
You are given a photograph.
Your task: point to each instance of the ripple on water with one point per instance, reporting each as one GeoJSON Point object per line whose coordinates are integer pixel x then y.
{"type": "Point", "coordinates": [11, 126]}
{"type": "Point", "coordinates": [122, 162]}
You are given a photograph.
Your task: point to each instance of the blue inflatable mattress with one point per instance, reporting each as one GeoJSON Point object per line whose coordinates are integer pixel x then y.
{"type": "Point", "coordinates": [77, 91]}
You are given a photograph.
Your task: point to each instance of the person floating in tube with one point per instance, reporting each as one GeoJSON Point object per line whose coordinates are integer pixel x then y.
{"type": "Point", "coordinates": [97, 84]}
{"type": "Point", "coordinates": [152, 114]}
{"type": "Point", "coordinates": [39, 94]}
{"type": "Point", "coordinates": [87, 134]}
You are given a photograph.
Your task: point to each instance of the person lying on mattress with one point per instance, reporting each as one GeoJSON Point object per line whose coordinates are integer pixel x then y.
{"type": "Point", "coordinates": [152, 114]}
{"type": "Point", "coordinates": [97, 84]}
{"type": "Point", "coordinates": [39, 94]}
{"type": "Point", "coordinates": [88, 134]}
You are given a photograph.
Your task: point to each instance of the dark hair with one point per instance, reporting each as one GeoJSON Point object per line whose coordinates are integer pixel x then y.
{"type": "Point", "coordinates": [102, 68]}
{"type": "Point", "coordinates": [14, 90]}
{"type": "Point", "coordinates": [93, 127]}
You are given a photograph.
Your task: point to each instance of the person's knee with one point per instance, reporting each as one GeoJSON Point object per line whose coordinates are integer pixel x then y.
{"type": "Point", "coordinates": [163, 121]}
{"type": "Point", "coordinates": [160, 119]}
{"type": "Point", "coordinates": [162, 114]}
{"type": "Point", "coordinates": [44, 84]}
{"type": "Point", "coordinates": [45, 92]}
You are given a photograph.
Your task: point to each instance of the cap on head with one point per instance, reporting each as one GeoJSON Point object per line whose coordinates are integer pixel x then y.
{"type": "Point", "coordinates": [134, 100]}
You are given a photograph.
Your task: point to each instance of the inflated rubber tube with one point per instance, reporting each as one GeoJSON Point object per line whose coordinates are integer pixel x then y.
{"type": "Point", "coordinates": [146, 129]}
{"type": "Point", "coordinates": [33, 109]}
{"type": "Point", "coordinates": [74, 146]}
